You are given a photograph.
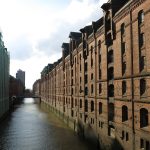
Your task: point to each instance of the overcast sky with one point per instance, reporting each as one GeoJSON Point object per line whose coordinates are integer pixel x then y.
{"type": "Point", "coordinates": [33, 30]}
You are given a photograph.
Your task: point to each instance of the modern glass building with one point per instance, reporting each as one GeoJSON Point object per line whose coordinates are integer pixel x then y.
{"type": "Point", "coordinates": [4, 78]}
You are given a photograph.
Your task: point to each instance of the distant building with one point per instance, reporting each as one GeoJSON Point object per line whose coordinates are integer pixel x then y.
{"type": "Point", "coordinates": [21, 75]}
{"type": "Point", "coordinates": [4, 79]}
{"type": "Point", "coordinates": [16, 87]}
{"type": "Point", "coordinates": [36, 88]}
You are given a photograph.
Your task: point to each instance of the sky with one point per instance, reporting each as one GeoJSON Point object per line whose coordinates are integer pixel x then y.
{"type": "Point", "coordinates": [34, 30]}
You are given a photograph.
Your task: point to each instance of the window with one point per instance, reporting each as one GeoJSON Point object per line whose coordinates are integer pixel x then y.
{"type": "Point", "coordinates": [108, 22]}
{"type": "Point", "coordinates": [72, 104]}
{"type": "Point", "coordinates": [86, 79]}
{"type": "Point", "coordinates": [80, 103]}
{"type": "Point", "coordinates": [111, 112]}
{"type": "Point", "coordinates": [80, 80]}
{"type": "Point", "coordinates": [80, 89]}
{"type": "Point", "coordinates": [140, 17]}
{"type": "Point", "coordinates": [92, 106]}
{"type": "Point", "coordinates": [122, 29]}
{"type": "Point", "coordinates": [111, 90]}
{"type": "Point", "coordinates": [141, 143]}
{"type": "Point", "coordinates": [85, 118]}
{"type": "Point", "coordinates": [142, 87]}
{"type": "Point", "coordinates": [111, 73]}
{"type": "Point", "coordinates": [141, 40]}
{"type": "Point", "coordinates": [72, 113]}
{"type": "Point", "coordinates": [86, 90]}
{"type": "Point", "coordinates": [124, 113]}
{"type": "Point", "coordinates": [86, 105]}
{"type": "Point", "coordinates": [147, 145]}
{"type": "Point", "coordinates": [100, 74]}
{"type": "Point", "coordinates": [75, 102]}
{"type": "Point", "coordinates": [100, 88]}
{"type": "Point", "coordinates": [124, 87]}
{"type": "Point", "coordinates": [92, 76]}
{"type": "Point", "coordinates": [91, 50]}
{"type": "Point", "coordinates": [86, 67]}
{"type": "Point", "coordinates": [99, 59]}
{"type": "Point", "coordinates": [80, 68]}
{"type": "Point", "coordinates": [100, 108]}
{"type": "Point", "coordinates": [110, 56]}
{"type": "Point", "coordinates": [143, 117]}
{"type": "Point", "coordinates": [127, 136]}
{"type": "Point", "coordinates": [123, 47]}
{"type": "Point", "coordinates": [123, 68]}
{"type": "Point", "coordinates": [99, 46]}
{"type": "Point", "coordinates": [142, 63]}
{"type": "Point", "coordinates": [92, 88]}
{"type": "Point", "coordinates": [91, 62]}
{"type": "Point", "coordinates": [80, 56]}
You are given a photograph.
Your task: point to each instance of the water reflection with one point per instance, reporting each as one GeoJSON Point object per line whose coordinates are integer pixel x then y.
{"type": "Point", "coordinates": [32, 127]}
{"type": "Point", "coordinates": [28, 100]}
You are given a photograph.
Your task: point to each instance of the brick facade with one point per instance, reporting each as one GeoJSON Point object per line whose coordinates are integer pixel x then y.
{"type": "Point", "coordinates": [102, 81]}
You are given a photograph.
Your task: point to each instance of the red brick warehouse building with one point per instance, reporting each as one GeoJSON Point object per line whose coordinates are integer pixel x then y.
{"type": "Point", "coordinates": [101, 85]}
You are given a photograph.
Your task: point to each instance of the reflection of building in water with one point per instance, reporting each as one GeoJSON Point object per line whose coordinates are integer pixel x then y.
{"type": "Point", "coordinates": [102, 82]}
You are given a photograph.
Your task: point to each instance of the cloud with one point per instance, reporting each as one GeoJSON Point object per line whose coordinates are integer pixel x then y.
{"type": "Point", "coordinates": [21, 48]}
{"type": "Point", "coordinates": [77, 15]}
{"type": "Point", "coordinates": [34, 30]}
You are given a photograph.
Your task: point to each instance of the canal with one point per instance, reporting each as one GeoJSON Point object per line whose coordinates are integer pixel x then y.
{"type": "Point", "coordinates": [31, 126]}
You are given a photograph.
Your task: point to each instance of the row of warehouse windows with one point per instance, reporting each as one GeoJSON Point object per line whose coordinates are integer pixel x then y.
{"type": "Point", "coordinates": [143, 112]}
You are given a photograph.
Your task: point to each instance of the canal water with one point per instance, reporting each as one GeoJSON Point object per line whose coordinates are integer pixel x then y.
{"type": "Point", "coordinates": [31, 126]}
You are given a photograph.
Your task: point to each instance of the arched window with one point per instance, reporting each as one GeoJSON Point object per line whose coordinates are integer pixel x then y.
{"type": "Point", "coordinates": [80, 103]}
{"type": "Point", "coordinates": [92, 106]}
{"type": "Point", "coordinates": [100, 107]}
{"type": "Point", "coordinates": [86, 105]}
{"type": "Point", "coordinates": [124, 113]}
{"type": "Point", "coordinates": [143, 117]}
{"type": "Point", "coordinates": [124, 87]}
{"type": "Point", "coordinates": [140, 17]}
{"type": "Point", "coordinates": [142, 87]}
